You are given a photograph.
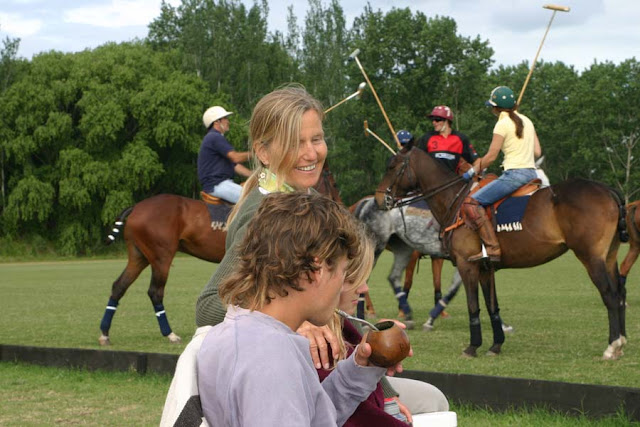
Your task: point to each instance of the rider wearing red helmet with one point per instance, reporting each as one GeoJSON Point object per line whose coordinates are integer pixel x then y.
{"type": "Point", "coordinates": [445, 144]}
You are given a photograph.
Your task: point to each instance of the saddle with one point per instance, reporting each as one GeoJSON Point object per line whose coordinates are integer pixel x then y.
{"type": "Point", "coordinates": [525, 190]}
{"type": "Point", "coordinates": [219, 210]}
{"type": "Point", "coordinates": [213, 200]}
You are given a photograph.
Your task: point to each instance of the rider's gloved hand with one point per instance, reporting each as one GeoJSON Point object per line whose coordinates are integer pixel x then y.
{"type": "Point", "coordinates": [468, 174]}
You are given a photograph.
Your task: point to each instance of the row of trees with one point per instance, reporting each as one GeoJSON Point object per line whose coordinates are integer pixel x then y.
{"type": "Point", "coordinates": [84, 135]}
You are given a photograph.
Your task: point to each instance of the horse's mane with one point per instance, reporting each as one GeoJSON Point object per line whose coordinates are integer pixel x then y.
{"type": "Point", "coordinates": [438, 164]}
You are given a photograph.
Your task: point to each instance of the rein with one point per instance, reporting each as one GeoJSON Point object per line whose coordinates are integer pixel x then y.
{"type": "Point", "coordinates": [392, 202]}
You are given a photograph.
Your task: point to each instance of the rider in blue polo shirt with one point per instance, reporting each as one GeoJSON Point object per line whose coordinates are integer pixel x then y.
{"type": "Point", "coordinates": [217, 160]}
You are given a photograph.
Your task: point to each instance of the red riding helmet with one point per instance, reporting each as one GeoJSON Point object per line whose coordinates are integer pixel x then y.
{"type": "Point", "coordinates": [442, 111]}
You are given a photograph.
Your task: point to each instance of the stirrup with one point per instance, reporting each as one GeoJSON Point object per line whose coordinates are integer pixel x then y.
{"type": "Point", "coordinates": [484, 255]}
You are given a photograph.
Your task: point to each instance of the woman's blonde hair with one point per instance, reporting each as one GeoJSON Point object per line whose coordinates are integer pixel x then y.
{"type": "Point", "coordinates": [357, 273]}
{"type": "Point", "coordinates": [290, 235]}
{"type": "Point", "coordinates": [275, 127]}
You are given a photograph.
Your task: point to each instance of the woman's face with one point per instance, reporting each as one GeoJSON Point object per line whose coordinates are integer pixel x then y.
{"type": "Point", "coordinates": [349, 296]}
{"type": "Point", "coordinates": [311, 154]}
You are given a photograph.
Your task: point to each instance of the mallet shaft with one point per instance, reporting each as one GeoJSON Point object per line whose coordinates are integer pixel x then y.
{"type": "Point", "coordinates": [380, 139]}
{"type": "Point", "coordinates": [375, 94]}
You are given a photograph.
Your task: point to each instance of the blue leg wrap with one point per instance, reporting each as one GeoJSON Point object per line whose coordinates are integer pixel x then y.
{"type": "Point", "coordinates": [438, 308]}
{"type": "Point", "coordinates": [105, 325]}
{"type": "Point", "coordinates": [360, 307]}
{"type": "Point", "coordinates": [162, 320]}
{"type": "Point", "coordinates": [403, 303]}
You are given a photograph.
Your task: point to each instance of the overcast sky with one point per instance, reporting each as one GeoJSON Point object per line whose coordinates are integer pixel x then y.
{"type": "Point", "coordinates": [594, 30]}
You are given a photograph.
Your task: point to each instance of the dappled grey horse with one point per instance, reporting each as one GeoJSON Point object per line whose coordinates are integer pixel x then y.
{"type": "Point", "coordinates": [403, 230]}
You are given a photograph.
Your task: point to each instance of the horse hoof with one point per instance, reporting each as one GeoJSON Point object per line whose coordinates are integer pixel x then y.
{"type": "Point", "coordinates": [400, 315]}
{"type": "Point", "coordinates": [174, 339]}
{"type": "Point", "coordinates": [410, 324]}
{"type": "Point", "coordinates": [445, 315]}
{"type": "Point", "coordinates": [370, 315]}
{"type": "Point", "coordinates": [507, 329]}
{"type": "Point", "coordinates": [470, 353]}
{"type": "Point", "coordinates": [104, 340]}
{"type": "Point", "coordinates": [614, 350]}
{"type": "Point", "coordinates": [494, 350]}
{"type": "Point", "coordinates": [428, 325]}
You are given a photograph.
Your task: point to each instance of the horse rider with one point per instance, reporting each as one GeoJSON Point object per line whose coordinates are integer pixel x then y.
{"type": "Point", "coordinates": [218, 161]}
{"type": "Point", "coordinates": [514, 135]}
{"type": "Point", "coordinates": [447, 145]}
{"type": "Point", "coordinates": [406, 139]}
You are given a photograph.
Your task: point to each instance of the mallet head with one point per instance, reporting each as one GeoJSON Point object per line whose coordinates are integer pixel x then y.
{"type": "Point", "coordinates": [361, 88]}
{"type": "Point", "coordinates": [353, 55]}
{"type": "Point", "coordinates": [557, 7]}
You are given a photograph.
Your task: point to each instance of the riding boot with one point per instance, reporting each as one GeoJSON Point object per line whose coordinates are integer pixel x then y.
{"type": "Point", "coordinates": [478, 216]}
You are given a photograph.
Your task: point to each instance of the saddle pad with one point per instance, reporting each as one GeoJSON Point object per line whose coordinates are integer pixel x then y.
{"type": "Point", "coordinates": [510, 212]}
{"type": "Point", "coordinates": [218, 215]}
{"type": "Point", "coordinates": [413, 211]}
{"type": "Point", "coordinates": [419, 204]}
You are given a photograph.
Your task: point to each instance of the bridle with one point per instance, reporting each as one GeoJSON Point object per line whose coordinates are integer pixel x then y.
{"type": "Point", "coordinates": [392, 201]}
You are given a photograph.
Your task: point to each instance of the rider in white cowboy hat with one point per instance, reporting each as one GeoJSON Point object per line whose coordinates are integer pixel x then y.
{"type": "Point", "coordinates": [217, 159]}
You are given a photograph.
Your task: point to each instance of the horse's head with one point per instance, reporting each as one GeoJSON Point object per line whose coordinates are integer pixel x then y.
{"type": "Point", "coordinates": [397, 181]}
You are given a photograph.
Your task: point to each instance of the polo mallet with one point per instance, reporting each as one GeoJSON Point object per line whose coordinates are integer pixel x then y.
{"type": "Point", "coordinates": [357, 94]}
{"type": "Point", "coordinates": [354, 57]}
{"type": "Point", "coordinates": [555, 9]}
{"type": "Point", "coordinates": [368, 132]}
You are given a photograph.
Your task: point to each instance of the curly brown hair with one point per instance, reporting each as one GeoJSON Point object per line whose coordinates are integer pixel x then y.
{"type": "Point", "coordinates": [290, 235]}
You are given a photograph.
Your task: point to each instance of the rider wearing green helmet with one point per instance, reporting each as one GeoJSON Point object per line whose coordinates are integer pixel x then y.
{"type": "Point", "coordinates": [514, 135]}
{"type": "Point", "coordinates": [501, 97]}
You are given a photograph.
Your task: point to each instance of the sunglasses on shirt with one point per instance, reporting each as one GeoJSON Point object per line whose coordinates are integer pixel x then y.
{"type": "Point", "coordinates": [437, 119]}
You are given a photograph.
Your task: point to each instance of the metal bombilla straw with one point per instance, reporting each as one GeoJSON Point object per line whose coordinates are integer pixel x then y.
{"type": "Point", "coordinates": [357, 319]}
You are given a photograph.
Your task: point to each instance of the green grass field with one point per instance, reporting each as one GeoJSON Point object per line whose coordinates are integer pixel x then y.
{"type": "Point", "coordinates": [560, 333]}
{"type": "Point", "coordinates": [36, 396]}
{"type": "Point", "coordinates": [560, 322]}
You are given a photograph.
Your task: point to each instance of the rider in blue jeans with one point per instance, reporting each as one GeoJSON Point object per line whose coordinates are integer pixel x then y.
{"type": "Point", "coordinates": [217, 159]}
{"type": "Point", "coordinates": [514, 135]}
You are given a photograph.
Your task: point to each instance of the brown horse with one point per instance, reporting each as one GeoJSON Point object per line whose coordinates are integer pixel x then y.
{"type": "Point", "coordinates": [158, 227]}
{"type": "Point", "coordinates": [584, 216]}
{"type": "Point", "coordinates": [633, 228]}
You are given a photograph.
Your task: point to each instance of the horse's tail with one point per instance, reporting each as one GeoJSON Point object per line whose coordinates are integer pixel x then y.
{"type": "Point", "coordinates": [117, 225]}
{"type": "Point", "coordinates": [623, 234]}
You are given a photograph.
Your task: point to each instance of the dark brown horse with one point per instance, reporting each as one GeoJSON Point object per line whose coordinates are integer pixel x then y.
{"type": "Point", "coordinates": [158, 227]}
{"type": "Point", "coordinates": [584, 216]}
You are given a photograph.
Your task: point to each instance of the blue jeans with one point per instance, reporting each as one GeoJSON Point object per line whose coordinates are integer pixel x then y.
{"type": "Point", "coordinates": [509, 181]}
{"type": "Point", "coordinates": [227, 190]}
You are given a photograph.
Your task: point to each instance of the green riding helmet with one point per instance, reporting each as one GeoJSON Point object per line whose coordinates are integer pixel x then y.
{"type": "Point", "coordinates": [501, 97]}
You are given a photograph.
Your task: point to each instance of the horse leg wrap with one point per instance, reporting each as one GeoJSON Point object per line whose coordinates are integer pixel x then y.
{"type": "Point", "coordinates": [437, 296]}
{"type": "Point", "coordinates": [360, 307]}
{"type": "Point", "coordinates": [105, 325]}
{"type": "Point", "coordinates": [403, 304]}
{"type": "Point", "coordinates": [438, 308]}
{"type": "Point", "coordinates": [162, 320]}
{"type": "Point", "coordinates": [474, 328]}
{"type": "Point", "coordinates": [496, 325]}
